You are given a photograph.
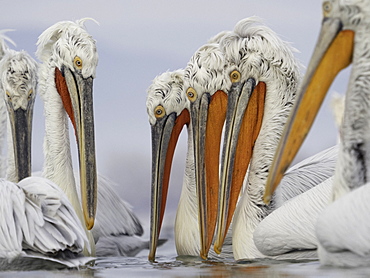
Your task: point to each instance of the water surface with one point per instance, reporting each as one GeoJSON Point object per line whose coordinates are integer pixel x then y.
{"type": "Point", "coordinates": [168, 265]}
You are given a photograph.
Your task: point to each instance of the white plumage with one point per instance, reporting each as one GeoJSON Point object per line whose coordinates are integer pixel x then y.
{"type": "Point", "coordinates": [167, 91]}
{"type": "Point", "coordinates": [291, 226]}
{"type": "Point", "coordinates": [203, 74]}
{"type": "Point", "coordinates": [342, 226]}
{"type": "Point", "coordinates": [206, 73]}
{"type": "Point", "coordinates": [39, 227]}
{"type": "Point", "coordinates": [58, 47]}
{"type": "Point", "coordinates": [117, 229]}
{"type": "Point", "coordinates": [346, 219]}
{"type": "Point", "coordinates": [256, 52]}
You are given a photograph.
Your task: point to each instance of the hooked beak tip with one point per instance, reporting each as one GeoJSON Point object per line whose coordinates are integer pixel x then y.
{"type": "Point", "coordinates": [151, 258]}
{"type": "Point", "coordinates": [204, 256]}
{"type": "Point", "coordinates": [267, 198]}
{"type": "Point", "coordinates": [217, 249]}
{"type": "Point", "coordinates": [89, 223]}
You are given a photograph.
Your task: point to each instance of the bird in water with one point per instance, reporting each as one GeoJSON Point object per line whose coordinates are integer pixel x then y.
{"type": "Point", "coordinates": [167, 115]}
{"type": "Point", "coordinates": [65, 79]}
{"type": "Point", "coordinates": [69, 59]}
{"type": "Point", "coordinates": [39, 227]}
{"type": "Point", "coordinates": [204, 85]}
{"type": "Point", "coordinates": [265, 77]}
{"type": "Point", "coordinates": [205, 89]}
{"type": "Point", "coordinates": [341, 228]}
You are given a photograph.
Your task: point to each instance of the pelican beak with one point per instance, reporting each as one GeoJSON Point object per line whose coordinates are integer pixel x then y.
{"type": "Point", "coordinates": [333, 52]}
{"type": "Point", "coordinates": [165, 133]}
{"type": "Point", "coordinates": [207, 116]}
{"type": "Point", "coordinates": [243, 122]}
{"type": "Point", "coordinates": [21, 128]}
{"type": "Point", "coordinates": [76, 93]}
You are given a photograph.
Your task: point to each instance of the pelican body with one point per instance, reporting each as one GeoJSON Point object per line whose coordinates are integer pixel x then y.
{"type": "Point", "coordinates": [39, 227]}
{"type": "Point", "coordinates": [69, 59]}
{"type": "Point", "coordinates": [265, 74]}
{"type": "Point", "coordinates": [344, 39]}
{"type": "Point", "coordinates": [216, 80]}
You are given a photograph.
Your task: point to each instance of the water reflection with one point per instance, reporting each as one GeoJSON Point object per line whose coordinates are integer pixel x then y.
{"type": "Point", "coordinates": [171, 266]}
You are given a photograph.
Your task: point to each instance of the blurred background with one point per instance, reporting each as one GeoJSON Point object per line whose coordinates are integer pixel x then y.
{"type": "Point", "coordinates": [138, 40]}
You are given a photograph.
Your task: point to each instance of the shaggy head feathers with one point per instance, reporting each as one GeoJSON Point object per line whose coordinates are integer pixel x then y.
{"type": "Point", "coordinates": [62, 42]}
{"type": "Point", "coordinates": [352, 13]}
{"type": "Point", "coordinates": [18, 78]}
{"type": "Point", "coordinates": [205, 70]}
{"type": "Point", "coordinates": [167, 90]}
{"type": "Point", "coordinates": [255, 50]}
{"type": "Point", "coordinates": [252, 48]}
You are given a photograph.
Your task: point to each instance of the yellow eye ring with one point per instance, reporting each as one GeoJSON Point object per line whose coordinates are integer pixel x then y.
{"type": "Point", "coordinates": [159, 112]}
{"type": "Point", "coordinates": [235, 76]}
{"type": "Point", "coordinates": [191, 94]}
{"type": "Point", "coordinates": [8, 95]}
{"type": "Point", "coordinates": [77, 62]}
{"type": "Point", "coordinates": [326, 7]}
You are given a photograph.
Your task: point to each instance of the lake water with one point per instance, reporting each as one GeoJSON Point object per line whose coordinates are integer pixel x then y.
{"type": "Point", "coordinates": [168, 265]}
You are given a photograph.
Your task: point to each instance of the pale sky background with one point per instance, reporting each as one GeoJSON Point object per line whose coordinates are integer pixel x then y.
{"type": "Point", "coordinates": [138, 40]}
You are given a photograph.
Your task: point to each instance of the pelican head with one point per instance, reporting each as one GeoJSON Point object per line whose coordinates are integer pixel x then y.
{"type": "Point", "coordinates": [168, 111]}
{"type": "Point", "coordinates": [264, 75]}
{"type": "Point", "coordinates": [343, 38]}
{"type": "Point", "coordinates": [205, 89]}
{"type": "Point", "coordinates": [18, 85]}
{"type": "Point", "coordinates": [69, 54]}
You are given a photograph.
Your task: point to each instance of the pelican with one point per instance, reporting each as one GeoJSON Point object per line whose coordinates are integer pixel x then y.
{"type": "Point", "coordinates": [165, 100]}
{"type": "Point", "coordinates": [265, 77]}
{"type": "Point", "coordinates": [205, 87]}
{"type": "Point", "coordinates": [39, 227]}
{"type": "Point", "coordinates": [166, 108]}
{"type": "Point", "coordinates": [289, 231]}
{"type": "Point", "coordinates": [66, 76]}
{"type": "Point", "coordinates": [278, 234]}
{"type": "Point", "coordinates": [205, 84]}
{"type": "Point", "coordinates": [69, 59]}
{"type": "Point", "coordinates": [342, 228]}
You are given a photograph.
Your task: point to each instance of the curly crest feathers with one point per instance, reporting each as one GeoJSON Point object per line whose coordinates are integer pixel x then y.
{"type": "Point", "coordinates": [167, 90]}
{"type": "Point", "coordinates": [72, 34]}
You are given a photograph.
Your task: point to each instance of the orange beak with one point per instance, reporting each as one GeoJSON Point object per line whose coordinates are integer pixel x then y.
{"type": "Point", "coordinates": [76, 93]}
{"type": "Point", "coordinates": [243, 122]}
{"type": "Point", "coordinates": [165, 134]}
{"type": "Point", "coordinates": [333, 53]}
{"type": "Point", "coordinates": [208, 116]}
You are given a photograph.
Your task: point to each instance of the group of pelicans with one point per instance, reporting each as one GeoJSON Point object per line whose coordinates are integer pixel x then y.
{"type": "Point", "coordinates": [244, 87]}
{"type": "Point", "coordinates": [44, 221]}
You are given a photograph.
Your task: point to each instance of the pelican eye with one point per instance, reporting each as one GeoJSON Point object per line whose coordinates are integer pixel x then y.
{"type": "Point", "coordinates": [30, 94]}
{"type": "Point", "coordinates": [191, 94]}
{"type": "Point", "coordinates": [159, 112]}
{"type": "Point", "coordinates": [235, 76]}
{"type": "Point", "coordinates": [8, 95]}
{"type": "Point", "coordinates": [77, 62]}
{"type": "Point", "coordinates": [326, 7]}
